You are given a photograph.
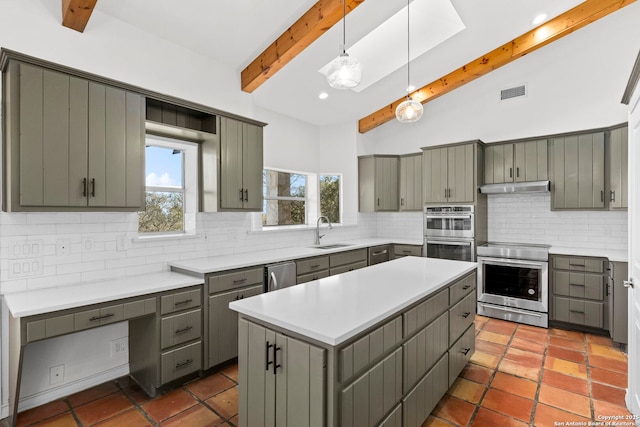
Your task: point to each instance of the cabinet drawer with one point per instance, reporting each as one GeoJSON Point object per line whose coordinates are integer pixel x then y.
{"type": "Point", "coordinates": [98, 317]}
{"type": "Point", "coordinates": [349, 257]}
{"type": "Point", "coordinates": [348, 267]}
{"type": "Point", "coordinates": [180, 328]}
{"type": "Point", "coordinates": [407, 250]}
{"type": "Point", "coordinates": [424, 349]}
{"type": "Point", "coordinates": [357, 356]}
{"type": "Point", "coordinates": [591, 265]}
{"type": "Point", "coordinates": [462, 287]}
{"type": "Point", "coordinates": [236, 279]}
{"type": "Point", "coordinates": [460, 353]}
{"type": "Point", "coordinates": [579, 285]}
{"type": "Point", "coordinates": [375, 393]}
{"type": "Point", "coordinates": [180, 301]}
{"type": "Point", "coordinates": [47, 328]}
{"type": "Point", "coordinates": [139, 308]}
{"type": "Point", "coordinates": [312, 265]}
{"type": "Point", "coordinates": [419, 403]}
{"type": "Point", "coordinates": [181, 361]}
{"type": "Point", "coordinates": [461, 316]}
{"type": "Point", "coordinates": [580, 312]}
{"type": "Point", "coordinates": [425, 312]}
{"type": "Point", "coordinates": [312, 276]}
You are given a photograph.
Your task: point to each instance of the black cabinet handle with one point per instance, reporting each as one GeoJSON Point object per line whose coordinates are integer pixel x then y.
{"type": "Point", "coordinates": [466, 314]}
{"type": "Point", "coordinates": [315, 266]}
{"type": "Point", "coordinates": [510, 172]}
{"type": "Point", "coordinates": [577, 284]}
{"type": "Point", "coordinates": [612, 196]}
{"type": "Point", "coordinates": [235, 282]}
{"type": "Point", "coordinates": [246, 195]}
{"type": "Point", "coordinates": [186, 301]}
{"type": "Point", "coordinates": [601, 196]}
{"type": "Point", "coordinates": [577, 311]}
{"type": "Point", "coordinates": [241, 192]}
{"type": "Point", "coordinates": [378, 202]}
{"type": "Point", "coordinates": [401, 201]}
{"type": "Point", "coordinates": [465, 287]}
{"type": "Point", "coordinates": [266, 355]}
{"type": "Point", "coordinates": [275, 364]}
{"type": "Point", "coordinates": [183, 364]}
{"type": "Point", "coordinates": [182, 330]}
{"type": "Point", "coordinates": [93, 187]}
{"type": "Point", "coordinates": [465, 351]}
{"type": "Point", "coordinates": [105, 316]}
{"type": "Point", "coordinates": [84, 187]}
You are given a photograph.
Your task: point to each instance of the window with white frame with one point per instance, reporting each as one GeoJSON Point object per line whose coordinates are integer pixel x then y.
{"type": "Point", "coordinates": [285, 198]}
{"type": "Point", "coordinates": [171, 187]}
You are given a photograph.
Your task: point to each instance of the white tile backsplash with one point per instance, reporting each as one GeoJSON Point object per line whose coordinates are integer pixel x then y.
{"type": "Point", "coordinates": [527, 218]}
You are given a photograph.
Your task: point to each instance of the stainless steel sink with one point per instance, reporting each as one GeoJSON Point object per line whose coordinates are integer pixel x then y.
{"type": "Point", "coordinates": [332, 246]}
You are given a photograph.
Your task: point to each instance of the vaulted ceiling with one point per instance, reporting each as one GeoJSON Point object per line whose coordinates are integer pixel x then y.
{"type": "Point", "coordinates": [279, 46]}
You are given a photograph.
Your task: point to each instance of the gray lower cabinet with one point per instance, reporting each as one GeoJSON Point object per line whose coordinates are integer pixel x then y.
{"type": "Point", "coordinates": [577, 165]}
{"type": "Point", "coordinates": [418, 404]}
{"type": "Point", "coordinates": [309, 269]}
{"type": "Point", "coordinates": [72, 143]}
{"type": "Point", "coordinates": [400, 251]}
{"type": "Point", "coordinates": [579, 291]}
{"type": "Point", "coordinates": [240, 165]}
{"type": "Point", "coordinates": [618, 303]}
{"type": "Point", "coordinates": [342, 262]}
{"type": "Point", "coordinates": [282, 379]}
{"type": "Point", "coordinates": [221, 322]}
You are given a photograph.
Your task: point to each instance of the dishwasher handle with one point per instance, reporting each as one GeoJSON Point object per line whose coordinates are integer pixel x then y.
{"type": "Point", "coordinates": [274, 280]}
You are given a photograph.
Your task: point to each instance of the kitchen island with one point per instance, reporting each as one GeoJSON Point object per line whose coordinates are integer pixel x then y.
{"type": "Point", "coordinates": [375, 346]}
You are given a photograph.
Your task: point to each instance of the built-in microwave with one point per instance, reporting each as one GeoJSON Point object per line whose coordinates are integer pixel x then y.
{"type": "Point", "coordinates": [455, 221]}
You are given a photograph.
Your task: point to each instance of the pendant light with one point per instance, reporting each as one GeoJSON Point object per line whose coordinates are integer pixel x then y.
{"type": "Point", "coordinates": [409, 111]}
{"type": "Point", "coordinates": [344, 72]}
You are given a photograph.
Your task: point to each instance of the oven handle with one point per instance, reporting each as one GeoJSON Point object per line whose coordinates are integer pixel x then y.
{"type": "Point", "coordinates": [429, 216]}
{"type": "Point", "coordinates": [512, 310]}
{"type": "Point", "coordinates": [450, 242]}
{"type": "Point", "coordinates": [510, 262]}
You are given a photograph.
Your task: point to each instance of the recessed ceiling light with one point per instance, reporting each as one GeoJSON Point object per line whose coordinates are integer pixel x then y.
{"type": "Point", "coordinates": [539, 19]}
{"type": "Point", "coordinates": [323, 95]}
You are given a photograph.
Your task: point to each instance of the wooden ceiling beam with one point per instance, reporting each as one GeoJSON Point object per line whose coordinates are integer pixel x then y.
{"type": "Point", "coordinates": [558, 27]}
{"type": "Point", "coordinates": [313, 24]}
{"type": "Point", "coordinates": [76, 13]}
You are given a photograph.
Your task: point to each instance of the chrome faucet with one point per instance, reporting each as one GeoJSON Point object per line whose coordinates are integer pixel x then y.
{"type": "Point", "coordinates": [318, 235]}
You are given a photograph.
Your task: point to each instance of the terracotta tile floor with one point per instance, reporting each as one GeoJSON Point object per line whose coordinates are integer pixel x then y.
{"type": "Point", "coordinates": [519, 376]}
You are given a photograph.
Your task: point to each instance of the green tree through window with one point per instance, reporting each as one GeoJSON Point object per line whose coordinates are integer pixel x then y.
{"type": "Point", "coordinates": [330, 197]}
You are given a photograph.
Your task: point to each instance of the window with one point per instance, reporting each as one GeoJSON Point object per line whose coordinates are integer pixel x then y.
{"type": "Point", "coordinates": [170, 196]}
{"type": "Point", "coordinates": [285, 198]}
{"type": "Point", "coordinates": [330, 197]}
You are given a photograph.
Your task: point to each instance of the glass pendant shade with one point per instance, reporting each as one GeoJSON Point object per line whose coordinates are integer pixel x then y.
{"type": "Point", "coordinates": [345, 72]}
{"type": "Point", "coordinates": [409, 111]}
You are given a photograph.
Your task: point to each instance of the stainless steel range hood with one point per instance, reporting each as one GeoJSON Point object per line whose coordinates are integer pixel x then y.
{"type": "Point", "coordinates": [516, 187]}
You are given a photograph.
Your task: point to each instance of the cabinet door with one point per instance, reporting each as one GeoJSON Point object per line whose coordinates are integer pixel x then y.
{"type": "Point", "coordinates": [460, 174]}
{"type": "Point", "coordinates": [406, 169]}
{"type": "Point", "coordinates": [531, 161]}
{"type": "Point", "coordinates": [410, 183]}
{"type": "Point", "coordinates": [386, 183]}
{"type": "Point", "coordinates": [591, 170]}
{"type": "Point", "coordinates": [618, 155]}
{"type": "Point", "coordinates": [116, 142]}
{"type": "Point", "coordinates": [498, 163]}
{"type": "Point", "coordinates": [231, 190]}
{"type": "Point", "coordinates": [434, 165]}
{"type": "Point", "coordinates": [252, 166]}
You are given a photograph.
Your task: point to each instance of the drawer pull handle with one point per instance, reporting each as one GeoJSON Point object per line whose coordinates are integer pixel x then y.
{"type": "Point", "coordinates": [182, 330]}
{"type": "Point", "coordinates": [466, 314]}
{"type": "Point", "coordinates": [183, 364]}
{"type": "Point", "coordinates": [405, 251]}
{"type": "Point", "coordinates": [577, 284]}
{"type": "Point", "coordinates": [235, 282]}
{"type": "Point", "coordinates": [315, 266]}
{"type": "Point", "coordinates": [577, 311]}
{"type": "Point", "coordinates": [266, 356]}
{"type": "Point", "coordinates": [106, 316]}
{"type": "Point", "coordinates": [465, 287]}
{"type": "Point", "coordinates": [576, 265]}
{"type": "Point", "coordinates": [186, 301]}
{"type": "Point", "coordinates": [276, 365]}
{"type": "Point", "coordinates": [465, 351]}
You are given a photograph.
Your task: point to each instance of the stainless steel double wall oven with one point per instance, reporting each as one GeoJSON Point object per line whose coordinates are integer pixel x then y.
{"type": "Point", "coordinates": [450, 232]}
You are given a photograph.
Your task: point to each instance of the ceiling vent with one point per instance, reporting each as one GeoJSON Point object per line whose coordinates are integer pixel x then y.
{"type": "Point", "coordinates": [513, 92]}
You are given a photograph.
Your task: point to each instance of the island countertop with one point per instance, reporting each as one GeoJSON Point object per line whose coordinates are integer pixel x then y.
{"type": "Point", "coordinates": [334, 309]}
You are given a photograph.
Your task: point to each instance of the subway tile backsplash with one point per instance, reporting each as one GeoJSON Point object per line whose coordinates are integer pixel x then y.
{"type": "Point", "coordinates": [527, 218]}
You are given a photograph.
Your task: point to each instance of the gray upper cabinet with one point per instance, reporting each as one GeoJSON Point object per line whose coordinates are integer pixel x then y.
{"type": "Point", "coordinates": [378, 183]}
{"type": "Point", "coordinates": [72, 144]}
{"type": "Point", "coordinates": [240, 165]}
{"type": "Point", "coordinates": [577, 171]}
{"type": "Point", "coordinates": [618, 164]}
{"type": "Point", "coordinates": [449, 174]}
{"type": "Point", "coordinates": [516, 162]}
{"type": "Point", "coordinates": [411, 182]}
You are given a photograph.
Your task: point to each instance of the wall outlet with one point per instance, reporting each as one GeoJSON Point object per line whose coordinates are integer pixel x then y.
{"type": "Point", "coordinates": [56, 374]}
{"type": "Point", "coordinates": [63, 247]}
{"type": "Point", "coordinates": [121, 242]}
{"type": "Point", "coordinates": [120, 345]}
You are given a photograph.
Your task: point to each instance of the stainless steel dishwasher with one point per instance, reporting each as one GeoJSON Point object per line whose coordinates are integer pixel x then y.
{"type": "Point", "coordinates": [278, 276]}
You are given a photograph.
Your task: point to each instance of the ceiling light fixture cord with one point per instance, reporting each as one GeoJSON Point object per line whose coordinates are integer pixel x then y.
{"type": "Point", "coordinates": [344, 72]}
{"type": "Point", "coordinates": [344, 26]}
{"type": "Point", "coordinates": [408, 55]}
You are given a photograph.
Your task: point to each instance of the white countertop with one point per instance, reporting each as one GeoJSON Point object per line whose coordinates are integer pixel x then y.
{"type": "Point", "coordinates": [47, 300]}
{"type": "Point", "coordinates": [337, 308]}
{"type": "Point", "coordinates": [249, 259]}
{"type": "Point", "coordinates": [613, 254]}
